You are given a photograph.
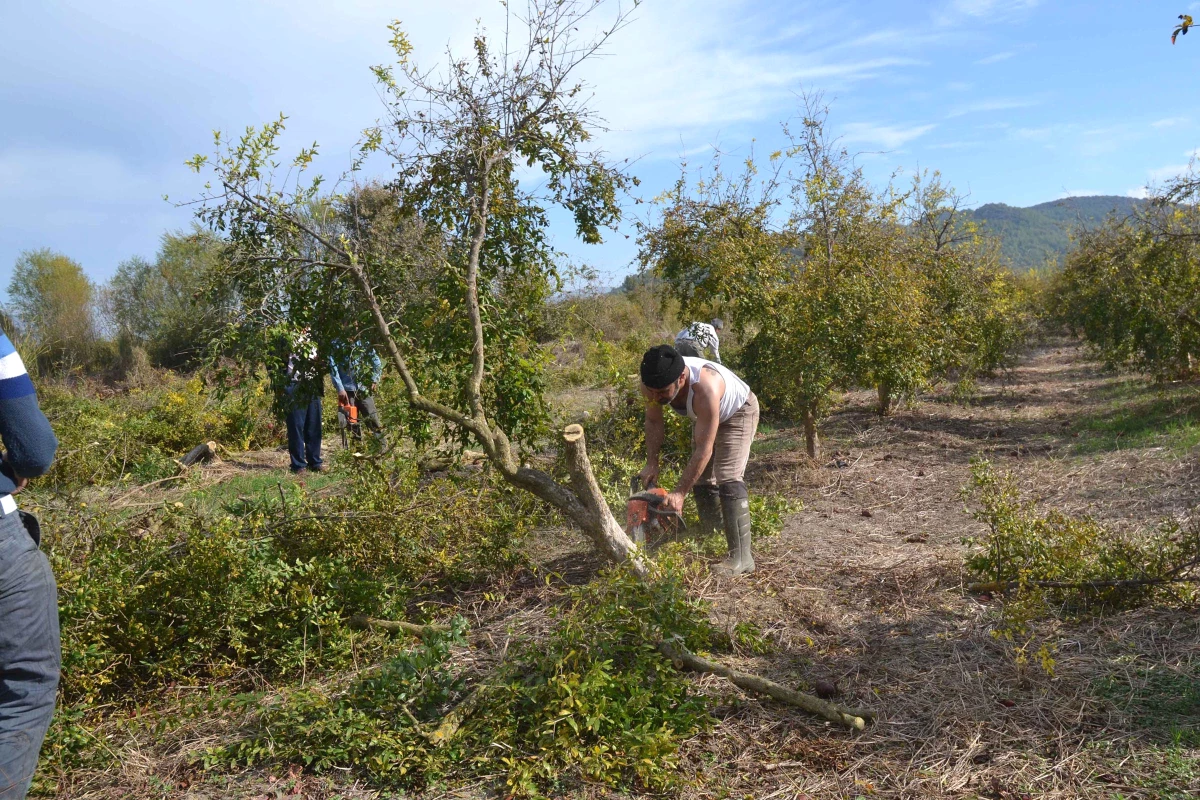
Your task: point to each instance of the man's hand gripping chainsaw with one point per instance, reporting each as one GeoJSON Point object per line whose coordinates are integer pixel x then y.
{"type": "Point", "coordinates": [643, 513]}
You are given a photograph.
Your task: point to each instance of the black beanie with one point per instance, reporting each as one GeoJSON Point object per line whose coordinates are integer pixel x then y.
{"type": "Point", "coordinates": [661, 366]}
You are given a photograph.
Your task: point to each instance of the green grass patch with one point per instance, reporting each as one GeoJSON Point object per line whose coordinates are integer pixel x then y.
{"type": "Point", "coordinates": [262, 489]}
{"type": "Point", "coordinates": [769, 442]}
{"type": "Point", "coordinates": [1137, 415]}
{"type": "Point", "coordinates": [1158, 697]}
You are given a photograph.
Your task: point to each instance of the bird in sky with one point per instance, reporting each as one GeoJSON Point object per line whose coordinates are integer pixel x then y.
{"type": "Point", "coordinates": [1182, 28]}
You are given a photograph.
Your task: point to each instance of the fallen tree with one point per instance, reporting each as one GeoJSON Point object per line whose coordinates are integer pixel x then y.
{"type": "Point", "coordinates": [200, 454]}
{"type": "Point", "coordinates": [450, 261]}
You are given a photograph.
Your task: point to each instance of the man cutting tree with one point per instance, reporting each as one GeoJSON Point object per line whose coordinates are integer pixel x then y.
{"type": "Point", "coordinates": [724, 414]}
{"type": "Point", "coordinates": [351, 365]}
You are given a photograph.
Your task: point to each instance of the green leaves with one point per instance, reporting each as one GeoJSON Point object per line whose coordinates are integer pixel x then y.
{"type": "Point", "coordinates": [597, 701]}
{"type": "Point", "coordinates": [1051, 562]}
{"type": "Point", "coordinates": [1132, 288]}
{"type": "Point", "coordinates": [452, 249]}
{"type": "Point", "coordinates": [857, 287]}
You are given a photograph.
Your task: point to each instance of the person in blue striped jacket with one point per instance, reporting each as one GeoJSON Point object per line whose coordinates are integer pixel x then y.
{"type": "Point", "coordinates": [29, 646]}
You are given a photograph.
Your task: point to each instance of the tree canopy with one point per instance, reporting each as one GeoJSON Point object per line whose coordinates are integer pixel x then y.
{"type": "Point", "coordinates": [53, 301]}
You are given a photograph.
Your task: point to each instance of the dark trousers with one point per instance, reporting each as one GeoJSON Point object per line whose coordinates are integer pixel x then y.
{"type": "Point", "coordinates": [29, 654]}
{"type": "Point", "coordinates": [304, 434]}
{"type": "Point", "coordinates": [366, 409]}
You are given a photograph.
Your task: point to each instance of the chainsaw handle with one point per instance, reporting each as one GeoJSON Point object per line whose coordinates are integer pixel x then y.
{"type": "Point", "coordinates": [661, 513]}
{"type": "Point", "coordinates": [635, 484]}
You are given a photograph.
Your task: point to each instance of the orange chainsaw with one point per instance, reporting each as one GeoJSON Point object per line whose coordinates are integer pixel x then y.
{"type": "Point", "coordinates": [348, 422]}
{"type": "Point", "coordinates": [643, 512]}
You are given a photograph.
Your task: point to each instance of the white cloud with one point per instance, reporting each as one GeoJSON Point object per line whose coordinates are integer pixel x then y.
{"type": "Point", "coordinates": [1089, 143]}
{"type": "Point", "coordinates": [31, 175]}
{"type": "Point", "coordinates": [987, 8]}
{"type": "Point", "coordinates": [1169, 122]}
{"type": "Point", "coordinates": [694, 67]}
{"type": "Point", "coordinates": [956, 11]}
{"type": "Point", "coordinates": [1166, 173]}
{"type": "Point", "coordinates": [889, 137]}
{"type": "Point", "coordinates": [958, 145]}
{"type": "Point", "coordinates": [998, 57]}
{"type": "Point", "coordinates": [1141, 193]}
{"type": "Point", "coordinates": [998, 104]}
{"type": "Point", "coordinates": [89, 204]}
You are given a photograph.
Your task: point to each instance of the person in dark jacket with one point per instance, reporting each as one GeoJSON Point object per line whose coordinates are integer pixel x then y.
{"type": "Point", "coordinates": [302, 403]}
{"type": "Point", "coordinates": [29, 643]}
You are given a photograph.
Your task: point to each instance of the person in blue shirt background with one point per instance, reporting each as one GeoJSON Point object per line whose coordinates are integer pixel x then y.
{"type": "Point", "coordinates": [29, 638]}
{"type": "Point", "coordinates": [352, 364]}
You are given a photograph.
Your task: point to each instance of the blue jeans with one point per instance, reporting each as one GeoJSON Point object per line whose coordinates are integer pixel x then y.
{"type": "Point", "coordinates": [304, 434]}
{"type": "Point", "coordinates": [29, 654]}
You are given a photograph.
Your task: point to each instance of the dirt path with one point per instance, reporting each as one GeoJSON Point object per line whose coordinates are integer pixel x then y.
{"type": "Point", "coordinates": [864, 586]}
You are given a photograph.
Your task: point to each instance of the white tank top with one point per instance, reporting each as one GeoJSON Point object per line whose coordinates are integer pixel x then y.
{"type": "Point", "coordinates": [737, 392]}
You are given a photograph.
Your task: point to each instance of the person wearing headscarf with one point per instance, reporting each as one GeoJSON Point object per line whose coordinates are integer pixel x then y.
{"type": "Point", "coordinates": [699, 337]}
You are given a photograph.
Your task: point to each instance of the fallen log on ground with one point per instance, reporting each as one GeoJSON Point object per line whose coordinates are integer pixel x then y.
{"type": "Point", "coordinates": [444, 461]}
{"type": "Point", "coordinates": [855, 718]}
{"type": "Point", "coordinates": [362, 622]}
{"type": "Point", "coordinates": [203, 452]}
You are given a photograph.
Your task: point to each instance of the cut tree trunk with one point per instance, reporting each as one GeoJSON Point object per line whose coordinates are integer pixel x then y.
{"type": "Point", "coordinates": [204, 452]}
{"type": "Point", "coordinates": [584, 504]}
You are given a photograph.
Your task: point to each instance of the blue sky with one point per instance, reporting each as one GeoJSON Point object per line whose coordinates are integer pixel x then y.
{"type": "Point", "coordinates": [1015, 101]}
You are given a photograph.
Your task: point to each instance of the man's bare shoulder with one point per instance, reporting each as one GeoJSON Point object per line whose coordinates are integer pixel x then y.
{"type": "Point", "coordinates": [710, 385]}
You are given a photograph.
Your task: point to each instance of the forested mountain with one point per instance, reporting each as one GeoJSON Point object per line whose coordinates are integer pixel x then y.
{"type": "Point", "coordinates": [1030, 236]}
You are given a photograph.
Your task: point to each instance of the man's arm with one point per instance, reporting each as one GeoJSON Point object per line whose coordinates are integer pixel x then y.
{"type": "Point", "coordinates": [705, 406]}
{"type": "Point", "coordinates": [376, 367]}
{"type": "Point", "coordinates": [655, 434]}
{"type": "Point", "coordinates": [335, 376]}
{"type": "Point", "coordinates": [29, 441]}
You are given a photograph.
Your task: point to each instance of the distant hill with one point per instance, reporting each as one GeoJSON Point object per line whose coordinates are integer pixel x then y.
{"type": "Point", "coordinates": [1030, 236]}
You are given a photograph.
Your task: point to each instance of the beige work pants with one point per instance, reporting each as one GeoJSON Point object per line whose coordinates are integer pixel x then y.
{"type": "Point", "coordinates": [731, 450]}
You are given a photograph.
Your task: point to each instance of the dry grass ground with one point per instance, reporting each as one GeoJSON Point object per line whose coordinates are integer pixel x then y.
{"type": "Point", "coordinates": [865, 587]}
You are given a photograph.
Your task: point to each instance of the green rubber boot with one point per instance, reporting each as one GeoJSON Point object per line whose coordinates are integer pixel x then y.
{"type": "Point", "coordinates": [708, 506]}
{"type": "Point", "coordinates": [735, 506]}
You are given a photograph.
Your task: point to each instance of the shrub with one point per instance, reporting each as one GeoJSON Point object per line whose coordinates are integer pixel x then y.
{"type": "Point", "coordinates": [601, 335]}
{"type": "Point", "coordinates": [594, 701]}
{"type": "Point", "coordinates": [1131, 289]}
{"type": "Point", "coordinates": [375, 724]}
{"type": "Point", "coordinates": [1048, 560]}
{"type": "Point", "coordinates": [137, 434]}
{"type": "Point", "coordinates": [182, 593]}
{"type": "Point", "coordinates": [597, 701]}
